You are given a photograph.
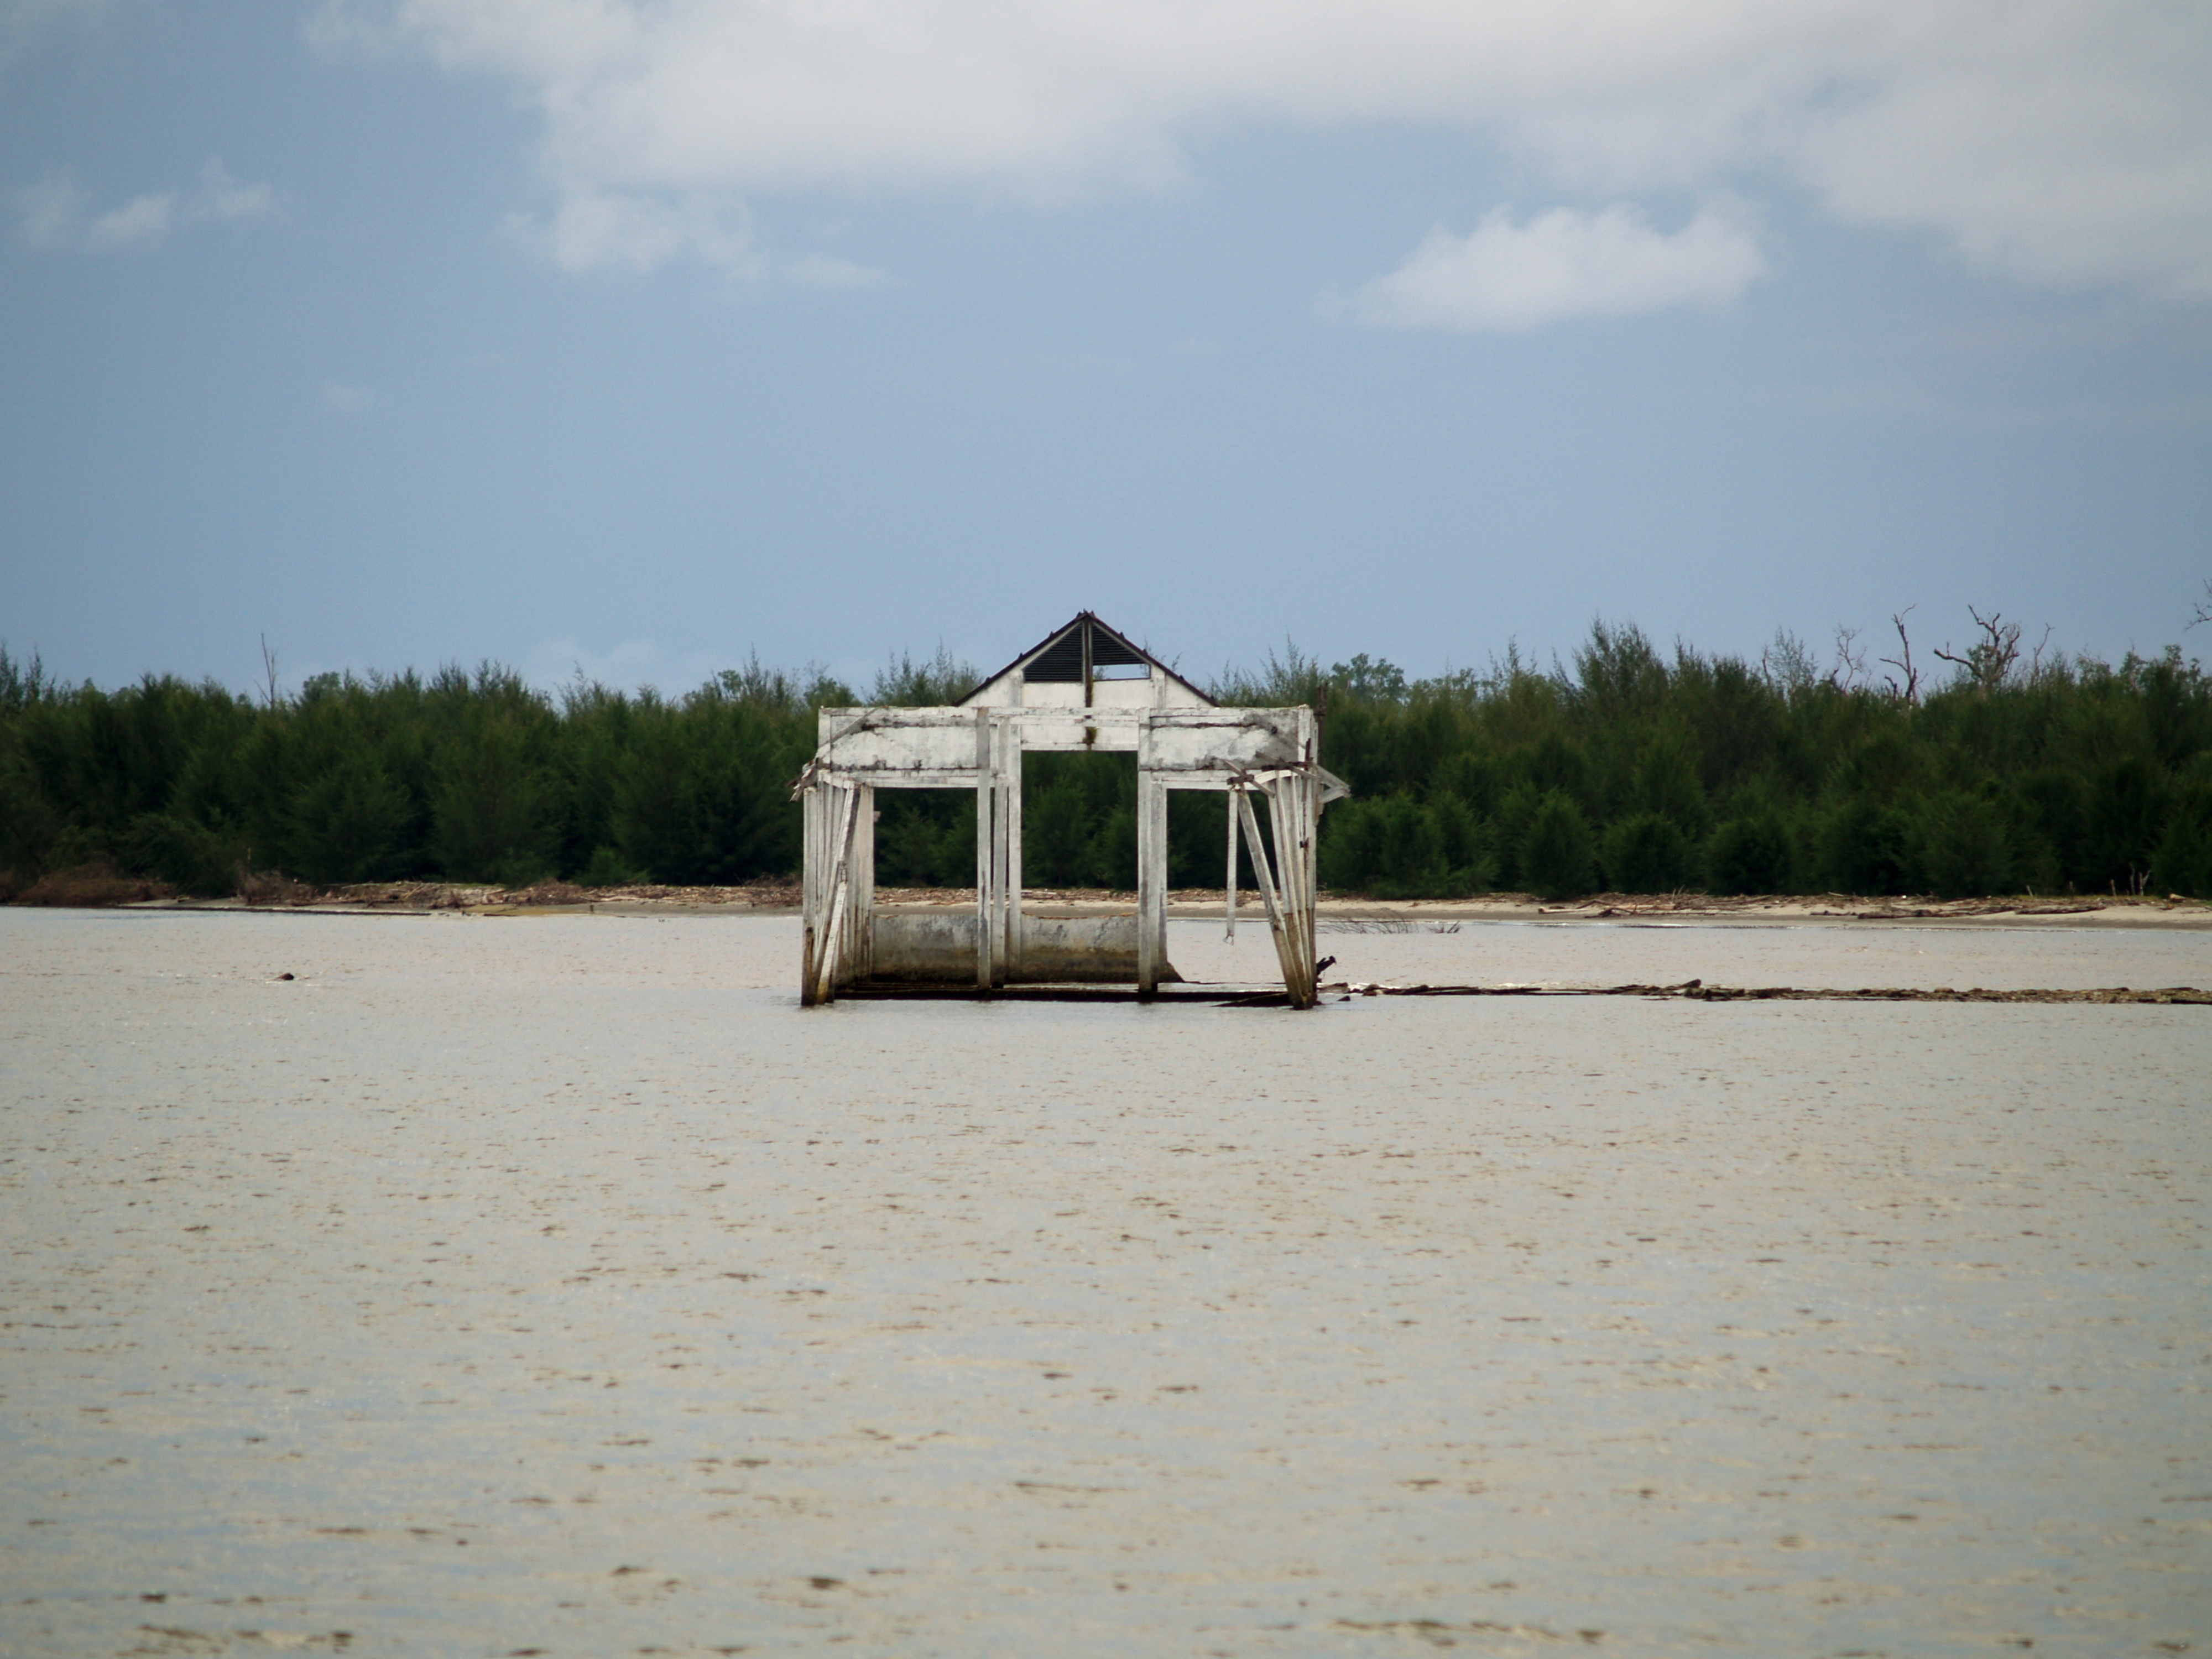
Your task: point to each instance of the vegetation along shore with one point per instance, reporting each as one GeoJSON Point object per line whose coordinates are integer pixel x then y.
{"type": "Point", "coordinates": [1624, 769]}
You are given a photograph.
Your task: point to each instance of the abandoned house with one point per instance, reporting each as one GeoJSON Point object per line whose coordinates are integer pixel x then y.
{"type": "Point", "coordinates": [1085, 688]}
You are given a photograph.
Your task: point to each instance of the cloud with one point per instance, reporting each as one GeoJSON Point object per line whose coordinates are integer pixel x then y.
{"type": "Point", "coordinates": [1561, 264]}
{"type": "Point", "coordinates": [595, 228]}
{"type": "Point", "coordinates": [2064, 142]}
{"type": "Point", "coordinates": [54, 215]}
{"type": "Point", "coordinates": [339, 399]}
{"type": "Point", "coordinates": [827, 271]}
{"type": "Point", "coordinates": [338, 28]}
{"type": "Point", "coordinates": [31, 14]}
{"type": "Point", "coordinates": [20, 19]}
{"type": "Point", "coordinates": [223, 197]}
{"type": "Point", "coordinates": [50, 209]}
{"type": "Point", "coordinates": [2071, 147]}
{"type": "Point", "coordinates": [141, 221]}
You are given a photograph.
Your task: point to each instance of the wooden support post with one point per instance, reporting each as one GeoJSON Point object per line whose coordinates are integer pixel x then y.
{"type": "Point", "coordinates": [1286, 876]}
{"type": "Point", "coordinates": [1295, 864]}
{"type": "Point", "coordinates": [810, 890]}
{"type": "Point", "coordinates": [1001, 850]}
{"type": "Point", "coordinates": [1152, 879]}
{"type": "Point", "coordinates": [1291, 798]}
{"type": "Point", "coordinates": [829, 934]}
{"type": "Point", "coordinates": [1310, 835]}
{"type": "Point", "coordinates": [1010, 770]}
{"type": "Point", "coordinates": [1268, 894]}
{"type": "Point", "coordinates": [1309, 821]}
{"type": "Point", "coordinates": [987, 795]}
{"type": "Point", "coordinates": [859, 946]}
{"type": "Point", "coordinates": [1230, 884]}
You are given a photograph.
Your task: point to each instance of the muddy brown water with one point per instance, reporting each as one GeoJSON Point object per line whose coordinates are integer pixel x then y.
{"type": "Point", "coordinates": [556, 1284]}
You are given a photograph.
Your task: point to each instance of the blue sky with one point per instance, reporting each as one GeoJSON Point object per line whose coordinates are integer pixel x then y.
{"type": "Point", "coordinates": [639, 335]}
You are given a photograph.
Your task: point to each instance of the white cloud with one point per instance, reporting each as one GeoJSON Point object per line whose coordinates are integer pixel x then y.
{"type": "Point", "coordinates": [53, 211]}
{"type": "Point", "coordinates": [221, 197]}
{"type": "Point", "coordinates": [30, 14]}
{"type": "Point", "coordinates": [827, 271]}
{"type": "Point", "coordinates": [595, 228]}
{"type": "Point", "coordinates": [141, 221]}
{"type": "Point", "coordinates": [1561, 264]}
{"type": "Point", "coordinates": [2060, 140]}
{"type": "Point", "coordinates": [2072, 146]}
{"type": "Point", "coordinates": [20, 18]}
{"type": "Point", "coordinates": [338, 28]}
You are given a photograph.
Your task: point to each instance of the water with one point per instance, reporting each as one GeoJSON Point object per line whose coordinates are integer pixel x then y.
{"type": "Point", "coordinates": [556, 1284]}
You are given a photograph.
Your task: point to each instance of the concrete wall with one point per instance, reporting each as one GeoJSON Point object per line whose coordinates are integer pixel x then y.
{"type": "Point", "coordinates": [933, 947]}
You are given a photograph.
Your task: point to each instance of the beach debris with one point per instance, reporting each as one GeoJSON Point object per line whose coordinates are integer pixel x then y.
{"type": "Point", "coordinates": [1696, 990]}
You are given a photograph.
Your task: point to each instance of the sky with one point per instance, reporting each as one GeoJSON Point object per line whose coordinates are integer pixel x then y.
{"type": "Point", "coordinates": [635, 337]}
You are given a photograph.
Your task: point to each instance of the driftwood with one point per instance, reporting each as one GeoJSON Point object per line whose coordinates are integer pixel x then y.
{"type": "Point", "coordinates": [1697, 991]}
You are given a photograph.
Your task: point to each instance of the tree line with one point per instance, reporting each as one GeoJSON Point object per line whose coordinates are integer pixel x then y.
{"type": "Point", "coordinates": [1622, 768]}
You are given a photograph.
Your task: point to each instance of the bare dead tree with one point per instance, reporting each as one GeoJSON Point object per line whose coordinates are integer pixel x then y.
{"type": "Point", "coordinates": [1909, 690]}
{"type": "Point", "coordinates": [2035, 658]}
{"type": "Point", "coordinates": [269, 666]}
{"type": "Point", "coordinates": [1850, 659]}
{"type": "Point", "coordinates": [1987, 661]}
{"type": "Point", "coordinates": [2202, 611]}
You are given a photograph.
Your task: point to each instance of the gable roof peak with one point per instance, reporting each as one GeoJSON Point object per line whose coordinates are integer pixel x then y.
{"type": "Point", "coordinates": [1075, 651]}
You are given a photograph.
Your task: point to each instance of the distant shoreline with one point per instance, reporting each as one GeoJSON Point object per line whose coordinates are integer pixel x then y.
{"type": "Point", "coordinates": [1335, 911]}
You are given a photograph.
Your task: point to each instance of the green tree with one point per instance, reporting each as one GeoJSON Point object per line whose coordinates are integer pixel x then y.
{"type": "Point", "coordinates": [706, 798]}
{"type": "Point", "coordinates": [493, 812]}
{"type": "Point", "coordinates": [1558, 854]}
{"type": "Point", "coordinates": [347, 820]}
{"type": "Point", "coordinates": [1648, 853]}
{"type": "Point", "coordinates": [2083, 770]}
{"type": "Point", "coordinates": [1965, 845]}
{"type": "Point", "coordinates": [1748, 854]}
{"type": "Point", "coordinates": [2127, 811]}
{"type": "Point", "coordinates": [1863, 847]}
{"type": "Point", "coordinates": [2183, 862]}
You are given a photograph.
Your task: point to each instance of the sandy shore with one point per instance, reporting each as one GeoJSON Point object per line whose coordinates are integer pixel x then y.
{"type": "Point", "coordinates": [566, 1290]}
{"type": "Point", "coordinates": [781, 898]}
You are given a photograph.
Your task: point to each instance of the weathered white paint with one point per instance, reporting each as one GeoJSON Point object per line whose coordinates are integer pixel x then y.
{"type": "Point", "coordinates": [986, 831]}
{"type": "Point", "coordinates": [827, 902]}
{"type": "Point", "coordinates": [1152, 881]}
{"type": "Point", "coordinates": [1181, 741]}
{"type": "Point", "coordinates": [936, 947]}
{"type": "Point", "coordinates": [1156, 691]}
{"type": "Point", "coordinates": [1267, 896]}
{"type": "Point", "coordinates": [1155, 686]}
{"type": "Point", "coordinates": [1229, 886]}
{"type": "Point", "coordinates": [1192, 749]}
